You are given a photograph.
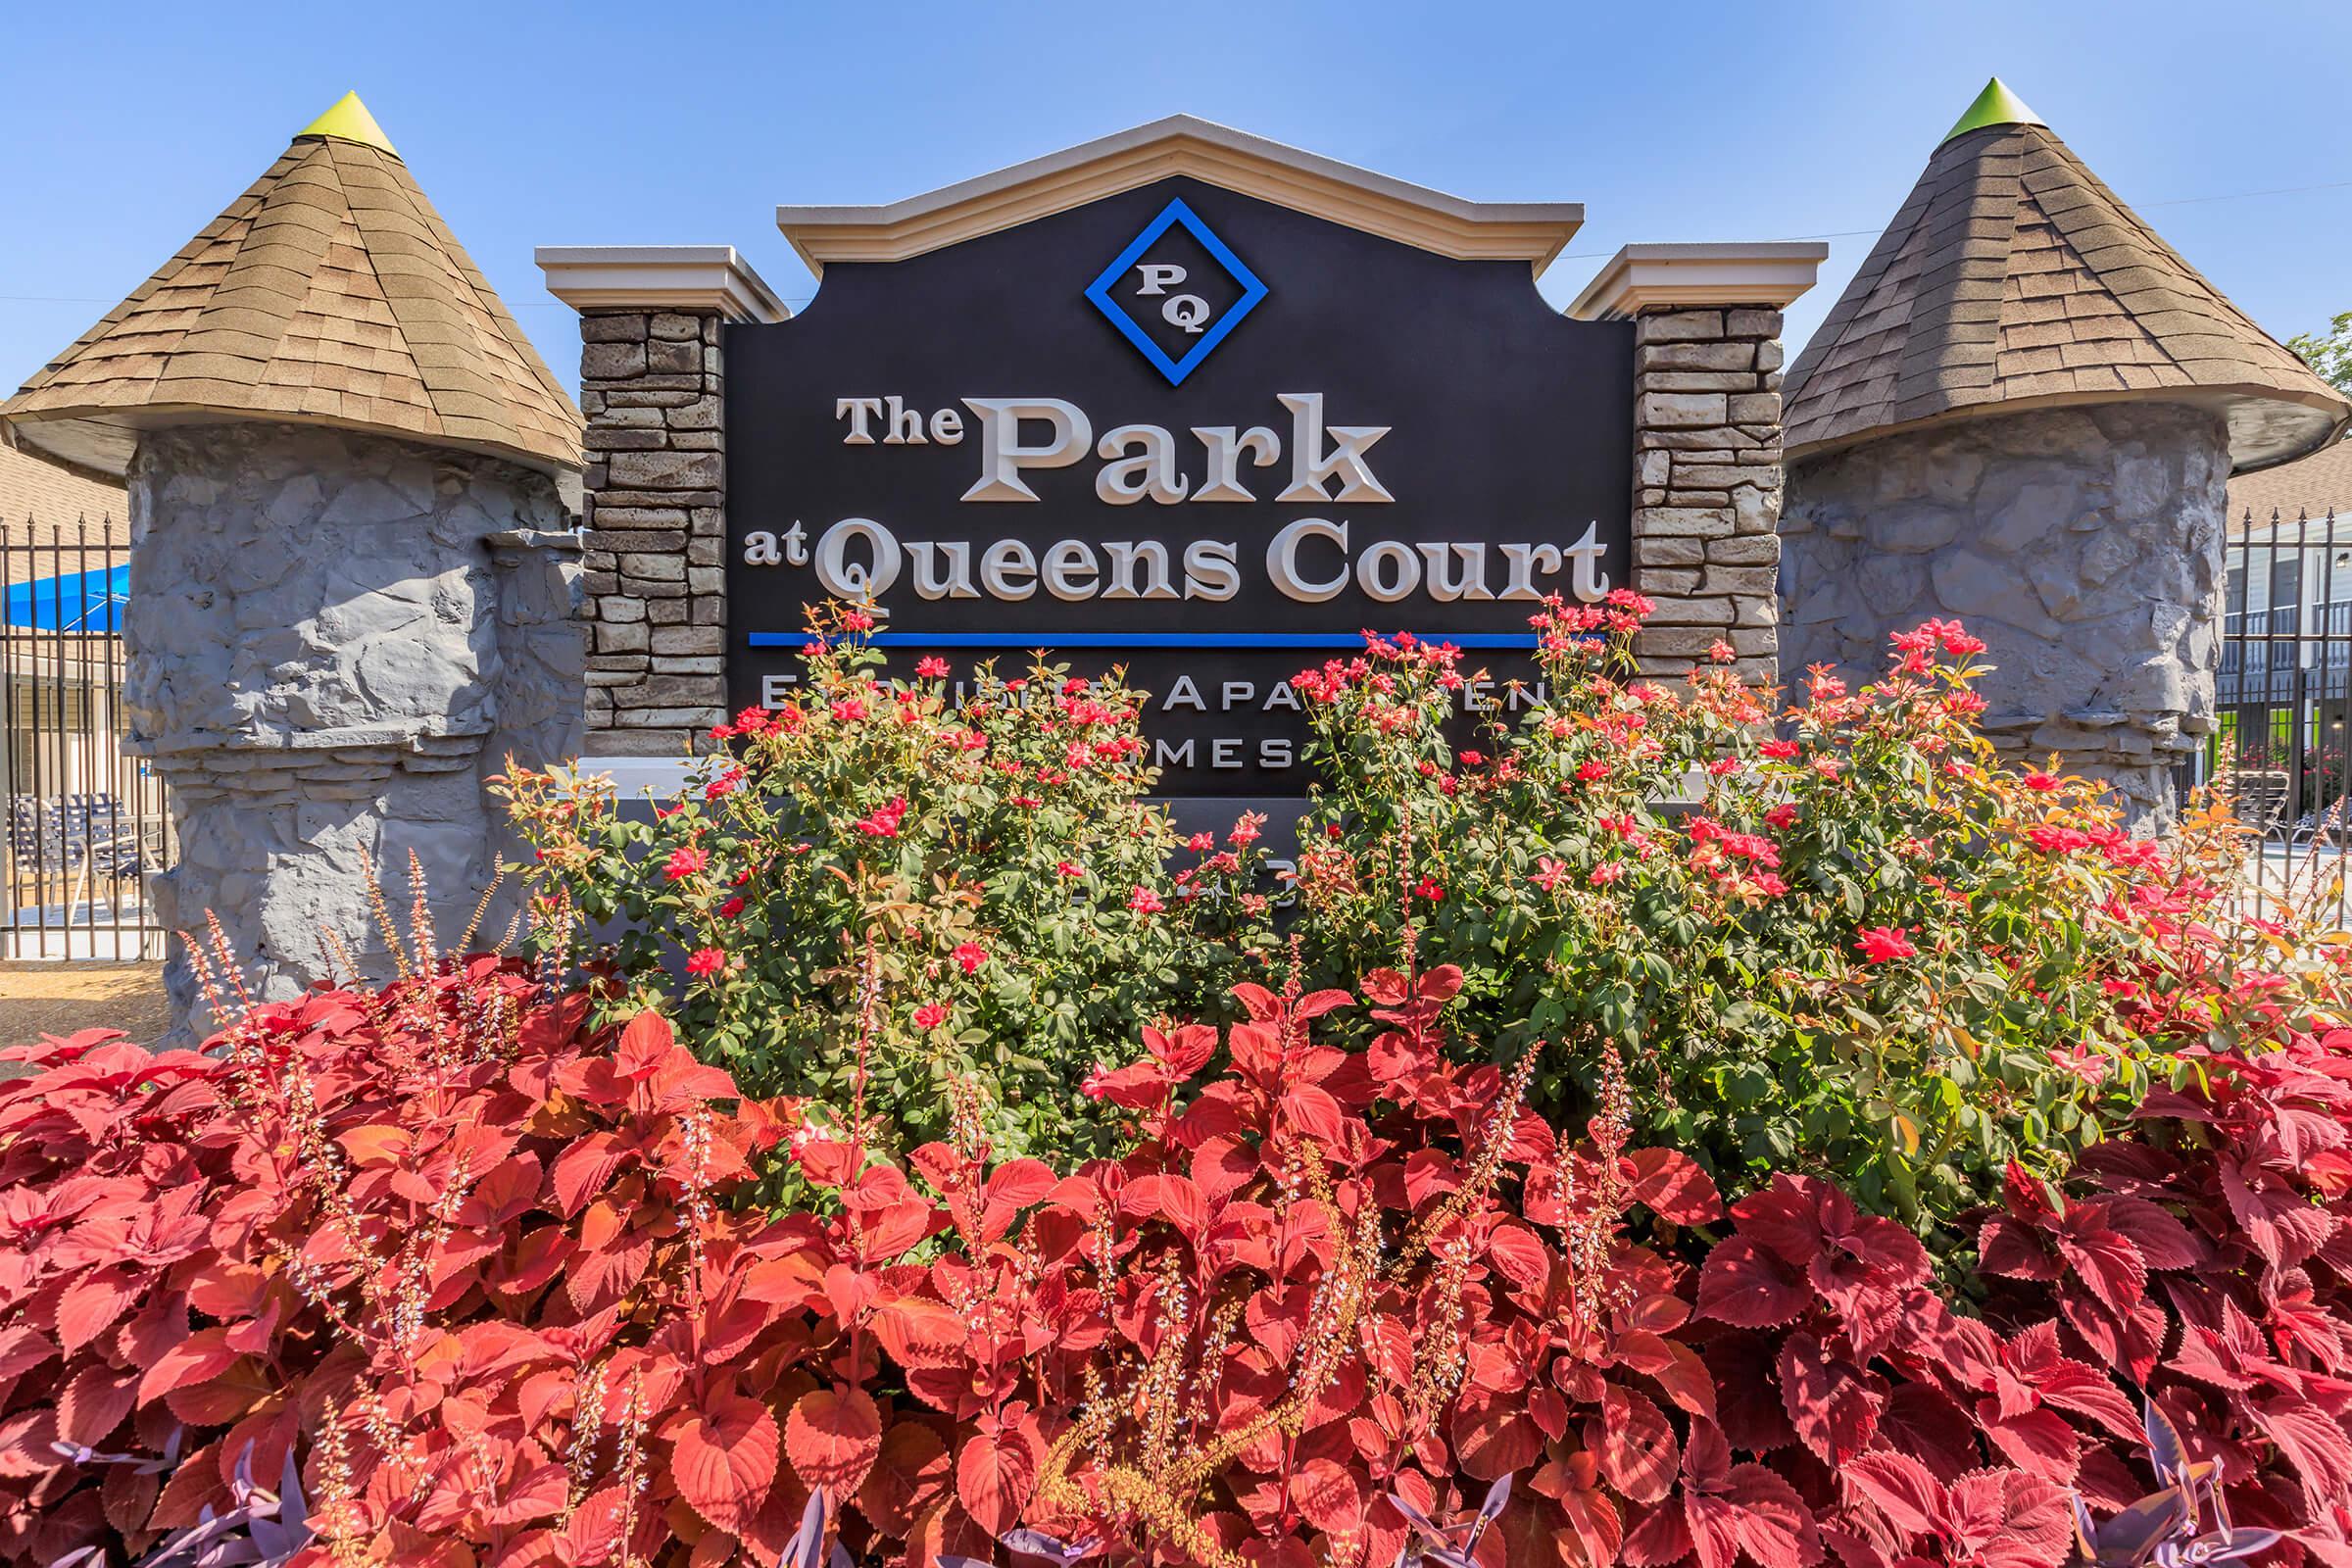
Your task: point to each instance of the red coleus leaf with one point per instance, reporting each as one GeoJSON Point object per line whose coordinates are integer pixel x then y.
{"type": "Point", "coordinates": [200, 1356]}
{"type": "Point", "coordinates": [995, 1473]}
{"type": "Point", "coordinates": [2039, 1442]}
{"type": "Point", "coordinates": [1519, 1255]}
{"type": "Point", "coordinates": [1633, 1444]}
{"type": "Point", "coordinates": [2315, 1444]}
{"type": "Point", "coordinates": [1675, 1187]}
{"type": "Point", "coordinates": [1728, 1509]}
{"type": "Point", "coordinates": [2283, 1225]}
{"type": "Point", "coordinates": [1899, 1486]}
{"type": "Point", "coordinates": [1832, 1404]}
{"type": "Point", "coordinates": [918, 1331]}
{"type": "Point", "coordinates": [94, 1403]}
{"type": "Point", "coordinates": [2109, 1263]}
{"type": "Point", "coordinates": [1495, 1437]}
{"type": "Point", "coordinates": [1182, 1051]}
{"type": "Point", "coordinates": [1010, 1187]}
{"type": "Point", "coordinates": [911, 1473]}
{"type": "Point", "coordinates": [1312, 1112]}
{"type": "Point", "coordinates": [723, 1458]}
{"type": "Point", "coordinates": [89, 1306]}
{"type": "Point", "coordinates": [584, 1168]}
{"type": "Point", "coordinates": [1745, 1284]}
{"type": "Point", "coordinates": [832, 1438]}
{"type": "Point", "coordinates": [2007, 1519]}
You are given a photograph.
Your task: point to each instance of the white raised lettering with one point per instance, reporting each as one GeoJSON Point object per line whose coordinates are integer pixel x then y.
{"type": "Point", "coordinates": [759, 550]}
{"type": "Point", "coordinates": [1070, 569]}
{"type": "Point", "coordinates": [1124, 557]}
{"type": "Point", "coordinates": [1282, 560]}
{"type": "Point", "coordinates": [1407, 576]}
{"type": "Point", "coordinates": [1225, 452]}
{"type": "Point", "coordinates": [954, 583]}
{"type": "Point", "coordinates": [1471, 584]}
{"type": "Point", "coordinates": [1311, 468]}
{"type": "Point", "coordinates": [1524, 562]}
{"type": "Point", "coordinates": [858, 410]}
{"type": "Point", "coordinates": [1591, 583]}
{"type": "Point", "coordinates": [946, 427]}
{"type": "Point", "coordinates": [1003, 454]}
{"type": "Point", "coordinates": [1210, 569]}
{"type": "Point", "coordinates": [1184, 694]}
{"type": "Point", "coordinates": [1158, 276]}
{"type": "Point", "coordinates": [844, 578]}
{"type": "Point", "coordinates": [1152, 471]}
{"type": "Point", "coordinates": [906, 425]}
{"type": "Point", "coordinates": [1007, 570]}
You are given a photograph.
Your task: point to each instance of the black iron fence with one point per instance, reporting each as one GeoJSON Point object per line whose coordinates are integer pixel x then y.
{"type": "Point", "coordinates": [83, 828]}
{"type": "Point", "coordinates": [2282, 697]}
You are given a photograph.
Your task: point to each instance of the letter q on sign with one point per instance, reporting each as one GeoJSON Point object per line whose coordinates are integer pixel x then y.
{"type": "Point", "coordinates": [1190, 311]}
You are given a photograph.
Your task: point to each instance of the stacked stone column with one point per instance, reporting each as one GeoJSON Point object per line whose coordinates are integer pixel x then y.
{"type": "Point", "coordinates": [652, 388]}
{"type": "Point", "coordinates": [1707, 485]}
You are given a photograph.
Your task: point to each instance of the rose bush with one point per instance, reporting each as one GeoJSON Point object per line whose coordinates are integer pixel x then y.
{"type": "Point", "coordinates": [965, 882]}
{"type": "Point", "coordinates": [1840, 938]}
{"type": "Point", "coordinates": [477, 1264]}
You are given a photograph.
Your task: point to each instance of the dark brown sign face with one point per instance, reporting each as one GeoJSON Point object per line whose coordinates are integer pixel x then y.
{"type": "Point", "coordinates": [1182, 430]}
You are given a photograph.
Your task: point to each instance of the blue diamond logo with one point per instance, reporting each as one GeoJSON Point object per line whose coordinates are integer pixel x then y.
{"type": "Point", "coordinates": [1176, 291]}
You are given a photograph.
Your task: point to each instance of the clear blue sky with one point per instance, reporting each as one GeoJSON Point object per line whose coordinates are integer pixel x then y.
{"type": "Point", "coordinates": [130, 127]}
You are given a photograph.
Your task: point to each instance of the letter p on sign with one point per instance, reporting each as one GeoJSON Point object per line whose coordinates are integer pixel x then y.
{"type": "Point", "coordinates": [1159, 278]}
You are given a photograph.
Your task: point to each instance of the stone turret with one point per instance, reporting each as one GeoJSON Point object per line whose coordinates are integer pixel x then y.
{"type": "Point", "coordinates": [2023, 412]}
{"type": "Point", "coordinates": [350, 596]}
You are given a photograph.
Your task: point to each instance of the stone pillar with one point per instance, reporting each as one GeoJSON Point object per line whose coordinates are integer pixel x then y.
{"type": "Point", "coordinates": [652, 388]}
{"type": "Point", "coordinates": [1707, 485]}
{"type": "Point", "coordinates": [317, 665]}
{"type": "Point", "coordinates": [2085, 545]}
{"type": "Point", "coordinates": [1707, 475]}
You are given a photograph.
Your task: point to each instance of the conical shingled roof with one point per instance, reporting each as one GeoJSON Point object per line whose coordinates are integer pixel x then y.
{"type": "Point", "coordinates": [330, 293]}
{"type": "Point", "coordinates": [2012, 278]}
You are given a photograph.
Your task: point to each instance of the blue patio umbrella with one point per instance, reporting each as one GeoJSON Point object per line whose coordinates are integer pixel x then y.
{"type": "Point", "coordinates": [78, 602]}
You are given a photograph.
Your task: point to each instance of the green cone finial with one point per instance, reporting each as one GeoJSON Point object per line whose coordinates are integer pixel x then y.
{"type": "Point", "coordinates": [1996, 105]}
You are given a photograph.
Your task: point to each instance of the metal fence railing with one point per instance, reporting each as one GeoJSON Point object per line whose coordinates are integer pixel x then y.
{"type": "Point", "coordinates": [83, 828]}
{"type": "Point", "coordinates": [2282, 694]}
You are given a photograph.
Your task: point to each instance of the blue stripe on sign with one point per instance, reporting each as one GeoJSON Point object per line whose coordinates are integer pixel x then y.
{"type": "Point", "coordinates": [1150, 639]}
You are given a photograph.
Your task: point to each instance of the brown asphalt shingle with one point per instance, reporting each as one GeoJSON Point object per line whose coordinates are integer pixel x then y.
{"type": "Point", "coordinates": [331, 291]}
{"type": "Point", "coordinates": [2011, 276]}
{"type": "Point", "coordinates": [2319, 486]}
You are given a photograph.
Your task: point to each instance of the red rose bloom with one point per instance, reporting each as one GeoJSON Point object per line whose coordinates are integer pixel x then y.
{"type": "Point", "coordinates": [706, 961]}
{"type": "Point", "coordinates": [1881, 943]}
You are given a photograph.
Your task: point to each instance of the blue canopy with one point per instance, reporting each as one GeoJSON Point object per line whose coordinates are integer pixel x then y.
{"type": "Point", "coordinates": [79, 600]}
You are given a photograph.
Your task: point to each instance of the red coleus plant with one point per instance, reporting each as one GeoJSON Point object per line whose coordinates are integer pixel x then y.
{"type": "Point", "coordinates": [496, 1281]}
